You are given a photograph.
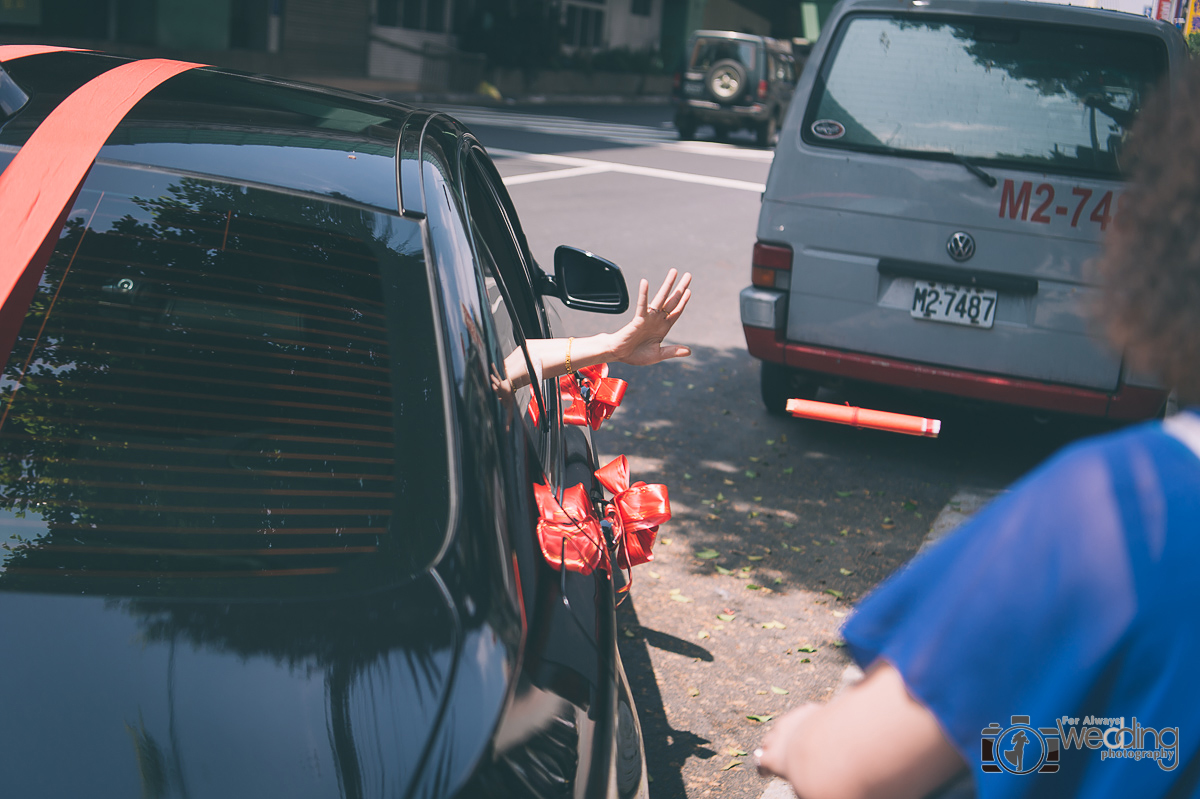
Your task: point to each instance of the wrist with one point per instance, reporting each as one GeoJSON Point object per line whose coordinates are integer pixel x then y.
{"type": "Point", "coordinates": [617, 345]}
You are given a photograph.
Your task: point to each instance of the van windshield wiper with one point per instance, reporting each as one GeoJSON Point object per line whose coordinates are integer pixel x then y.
{"type": "Point", "coordinates": [974, 170]}
{"type": "Point", "coordinates": [986, 177]}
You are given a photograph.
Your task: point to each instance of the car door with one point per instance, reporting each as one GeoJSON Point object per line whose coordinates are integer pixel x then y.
{"type": "Point", "coordinates": [573, 635]}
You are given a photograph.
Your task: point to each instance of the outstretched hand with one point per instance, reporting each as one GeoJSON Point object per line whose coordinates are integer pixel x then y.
{"type": "Point", "coordinates": [639, 343]}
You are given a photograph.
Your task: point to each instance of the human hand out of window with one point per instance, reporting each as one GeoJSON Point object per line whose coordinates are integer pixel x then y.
{"type": "Point", "coordinates": [639, 342]}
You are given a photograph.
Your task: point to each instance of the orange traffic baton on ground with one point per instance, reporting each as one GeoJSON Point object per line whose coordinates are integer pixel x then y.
{"type": "Point", "coordinates": [865, 417]}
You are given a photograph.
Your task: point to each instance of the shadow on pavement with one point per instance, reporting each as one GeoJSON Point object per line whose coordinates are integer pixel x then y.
{"type": "Point", "coordinates": [666, 748]}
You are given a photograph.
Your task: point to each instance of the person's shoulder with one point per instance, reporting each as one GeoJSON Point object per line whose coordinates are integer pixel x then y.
{"type": "Point", "coordinates": [1094, 452]}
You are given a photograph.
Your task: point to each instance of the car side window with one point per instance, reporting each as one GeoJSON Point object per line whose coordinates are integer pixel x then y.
{"type": "Point", "coordinates": [510, 299]}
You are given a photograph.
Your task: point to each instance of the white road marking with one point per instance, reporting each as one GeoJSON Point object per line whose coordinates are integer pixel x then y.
{"type": "Point", "coordinates": [720, 149]}
{"type": "Point", "coordinates": [554, 174]}
{"type": "Point", "coordinates": [564, 126]}
{"type": "Point", "coordinates": [606, 131]}
{"type": "Point", "coordinates": [627, 169]}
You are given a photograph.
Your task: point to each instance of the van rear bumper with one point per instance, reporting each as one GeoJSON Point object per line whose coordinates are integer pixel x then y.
{"type": "Point", "coordinates": [1127, 403]}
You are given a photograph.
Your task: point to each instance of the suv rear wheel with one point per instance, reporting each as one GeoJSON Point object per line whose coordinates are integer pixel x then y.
{"type": "Point", "coordinates": [780, 383]}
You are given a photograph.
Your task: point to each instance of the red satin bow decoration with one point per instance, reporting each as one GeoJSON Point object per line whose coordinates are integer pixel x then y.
{"type": "Point", "coordinates": [569, 534]}
{"type": "Point", "coordinates": [594, 396]}
{"type": "Point", "coordinates": [636, 512]}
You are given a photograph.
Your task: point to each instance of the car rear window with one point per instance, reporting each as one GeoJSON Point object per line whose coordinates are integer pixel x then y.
{"type": "Point", "coordinates": [708, 51]}
{"type": "Point", "coordinates": [216, 383]}
{"type": "Point", "coordinates": [1045, 97]}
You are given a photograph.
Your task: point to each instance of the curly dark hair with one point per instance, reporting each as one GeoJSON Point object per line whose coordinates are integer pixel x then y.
{"type": "Point", "coordinates": [1150, 268]}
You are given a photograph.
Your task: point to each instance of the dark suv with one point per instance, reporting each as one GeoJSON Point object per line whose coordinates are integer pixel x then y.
{"type": "Point", "coordinates": [734, 81]}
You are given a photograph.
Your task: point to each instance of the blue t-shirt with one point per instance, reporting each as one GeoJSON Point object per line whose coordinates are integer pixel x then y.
{"type": "Point", "coordinates": [1073, 600]}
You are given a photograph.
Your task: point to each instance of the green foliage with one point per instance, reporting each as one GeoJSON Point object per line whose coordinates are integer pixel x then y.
{"type": "Point", "coordinates": [1193, 43]}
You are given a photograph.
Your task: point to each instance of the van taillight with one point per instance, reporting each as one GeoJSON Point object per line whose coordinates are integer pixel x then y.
{"type": "Point", "coordinates": [768, 261]}
{"type": "Point", "coordinates": [762, 90]}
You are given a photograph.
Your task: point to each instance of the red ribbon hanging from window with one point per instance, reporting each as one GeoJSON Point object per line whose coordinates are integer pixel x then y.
{"type": "Point", "coordinates": [636, 511]}
{"type": "Point", "coordinates": [594, 396]}
{"type": "Point", "coordinates": [569, 533]}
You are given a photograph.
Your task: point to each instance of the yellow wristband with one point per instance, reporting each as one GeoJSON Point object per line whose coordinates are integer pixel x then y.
{"type": "Point", "coordinates": [569, 340]}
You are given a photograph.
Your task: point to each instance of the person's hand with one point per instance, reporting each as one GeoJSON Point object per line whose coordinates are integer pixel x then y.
{"type": "Point", "coordinates": [639, 343]}
{"type": "Point", "coordinates": [772, 755]}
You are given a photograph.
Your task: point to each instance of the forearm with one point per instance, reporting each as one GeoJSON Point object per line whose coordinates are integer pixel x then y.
{"type": "Point", "coordinates": [874, 740]}
{"type": "Point", "coordinates": [551, 354]}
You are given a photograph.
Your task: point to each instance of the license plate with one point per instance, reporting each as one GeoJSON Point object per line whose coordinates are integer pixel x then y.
{"type": "Point", "coordinates": [958, 305]}
{"type": "Point", "coordinates": [693, 89]}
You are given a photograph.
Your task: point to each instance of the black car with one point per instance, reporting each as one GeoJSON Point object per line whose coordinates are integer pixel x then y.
{"type": "Point", "coordinates": [734, 81]}
{"type": "Point", "coordinates": [268, 527]}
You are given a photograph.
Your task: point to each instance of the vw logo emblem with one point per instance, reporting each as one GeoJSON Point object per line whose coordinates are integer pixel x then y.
{"type": "Point", "coordinates": [961, 246]}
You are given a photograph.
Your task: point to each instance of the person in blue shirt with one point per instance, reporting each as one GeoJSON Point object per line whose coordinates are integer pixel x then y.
{"type": "Point", "coordinates": [1051, 646]}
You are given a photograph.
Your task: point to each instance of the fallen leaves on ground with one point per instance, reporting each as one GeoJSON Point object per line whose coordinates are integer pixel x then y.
{"type": "Point", "coordinates": [781, 691]}
{"type": "Point", "coordinates": [708, 554]}
{"type": "Point", "coordinates": [760, 718]}
{"type": "Point", "coordinates": [678, 597]}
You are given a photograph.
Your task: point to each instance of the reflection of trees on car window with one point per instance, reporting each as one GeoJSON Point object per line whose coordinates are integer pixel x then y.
{"type": "Point", "coordinates": [372, 651]}
{"type": "Point", "coordinates": [212, 395]}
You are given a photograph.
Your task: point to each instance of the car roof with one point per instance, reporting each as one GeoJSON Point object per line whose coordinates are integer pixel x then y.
{"type": "Point", "coordinates": [1015, 9]}
{"type": "Point", "coordinates": [237, 127]}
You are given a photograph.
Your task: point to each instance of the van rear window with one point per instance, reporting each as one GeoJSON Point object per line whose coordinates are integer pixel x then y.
{"type": "Point", "coordinates": [1045, 97]}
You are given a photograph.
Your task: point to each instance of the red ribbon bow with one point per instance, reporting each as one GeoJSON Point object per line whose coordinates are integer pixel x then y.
{"type": "Point", "coordinates": [636, 511]}
{"type": "Point", "coordinates": [569, 533]}
{"type": "Point", "coordinates": [593, 397]}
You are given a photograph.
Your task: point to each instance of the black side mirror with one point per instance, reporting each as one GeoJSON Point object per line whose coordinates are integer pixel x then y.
{"type": "Point", "coordinates": [588, 282]}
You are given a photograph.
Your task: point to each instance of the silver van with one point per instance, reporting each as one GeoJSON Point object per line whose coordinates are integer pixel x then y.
{"type": "Point", "coordinates": [943, 176]}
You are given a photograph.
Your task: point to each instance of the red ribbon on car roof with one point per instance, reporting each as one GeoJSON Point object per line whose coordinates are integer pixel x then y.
{"type": "Point", "coordinates": [40, 184]}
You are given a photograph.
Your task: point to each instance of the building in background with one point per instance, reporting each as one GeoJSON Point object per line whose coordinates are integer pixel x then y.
{"type": "Point", "coordinates": [427, 44]}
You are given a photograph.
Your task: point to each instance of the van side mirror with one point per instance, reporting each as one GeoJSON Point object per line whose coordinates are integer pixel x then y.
{"type": "Point", "coordinates": [587, 282]}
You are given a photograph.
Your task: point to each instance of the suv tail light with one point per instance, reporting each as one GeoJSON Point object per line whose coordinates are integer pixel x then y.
{"type": "Point", "coordinates": [762, 90]}
{"type": "Point", "coordinates": [771, 266]}
{"type": "Point", "coordinates": [676, 81]}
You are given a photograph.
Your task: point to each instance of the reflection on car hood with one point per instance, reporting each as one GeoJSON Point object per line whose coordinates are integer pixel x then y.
{"type": "Point", "coordinates": [206, 699]}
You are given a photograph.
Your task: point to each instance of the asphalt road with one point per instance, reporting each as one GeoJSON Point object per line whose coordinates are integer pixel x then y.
{"type": "Point", "coordinates": [803, 518]}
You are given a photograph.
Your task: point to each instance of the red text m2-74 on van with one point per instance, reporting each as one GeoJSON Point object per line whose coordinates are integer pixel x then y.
{"type": "Point", "coordinates": [1015, 201]}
